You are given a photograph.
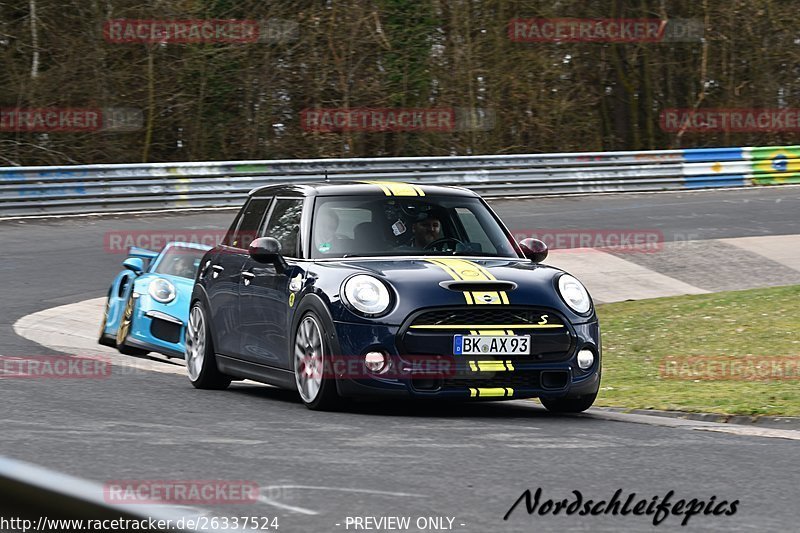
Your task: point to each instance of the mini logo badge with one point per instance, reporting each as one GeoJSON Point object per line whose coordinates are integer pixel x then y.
{"type": "Point", "coordinates": [489, 298]}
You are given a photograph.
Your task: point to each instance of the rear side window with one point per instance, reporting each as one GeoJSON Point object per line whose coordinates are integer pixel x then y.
{"type": "Point", "coordinates": [249, 222]}
{"type": "Point", "coordinates": [284, 224]}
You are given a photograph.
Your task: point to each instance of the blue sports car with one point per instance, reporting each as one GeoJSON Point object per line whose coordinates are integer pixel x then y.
{"type": "Point", "coordinates": [148, 302]}
{"type": "Point", "coordinates": [386, 289]}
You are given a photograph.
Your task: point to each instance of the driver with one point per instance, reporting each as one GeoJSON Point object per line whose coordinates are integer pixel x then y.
{"type": "Point", "coordinates": [426, 229]}
{"type": "Point", "coordinates": [184, 266]}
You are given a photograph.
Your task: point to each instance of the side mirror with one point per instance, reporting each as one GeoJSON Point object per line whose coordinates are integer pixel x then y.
{"type": "Point", "coordinates": [268, 250]}
{"type": "Point", "coordinates": [533, 249]}
{"type": "Point", "coordinates": [134, 264]}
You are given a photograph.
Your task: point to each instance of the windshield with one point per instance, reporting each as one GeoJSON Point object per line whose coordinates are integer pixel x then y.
{"type": "Point", "coordinates": [180, 261]}
{"type": "Point", "coordinates": [378, 226]}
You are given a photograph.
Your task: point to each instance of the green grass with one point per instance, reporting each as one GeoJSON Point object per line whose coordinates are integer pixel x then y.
{"type": "Point", "coordinates": [638, 337]}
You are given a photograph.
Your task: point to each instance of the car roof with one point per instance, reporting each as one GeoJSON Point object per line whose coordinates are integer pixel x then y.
{"type": "Point", "coordinates": [360, 188]}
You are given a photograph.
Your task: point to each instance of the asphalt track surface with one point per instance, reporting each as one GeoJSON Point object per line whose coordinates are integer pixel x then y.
{"type": "Point", "coordinates": [469, 462]}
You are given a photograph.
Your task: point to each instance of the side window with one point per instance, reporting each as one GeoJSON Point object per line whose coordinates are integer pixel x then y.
{"type": "Point", "coordinates": [475, 232]}
{"type": "Point", "coordinates": [231, 233]}
{"type": "Point", "coordinates": [284, 224]}
{"type": "Point", "coordinates": [250, 218]}
{"type": "Point", "coordinates": [349, 218]}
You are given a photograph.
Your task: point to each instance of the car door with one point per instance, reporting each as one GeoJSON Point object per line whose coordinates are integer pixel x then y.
{"type": "Point", "coordinates": [264, 292]}
{"type": "Point", "coordinates": [223, 275]}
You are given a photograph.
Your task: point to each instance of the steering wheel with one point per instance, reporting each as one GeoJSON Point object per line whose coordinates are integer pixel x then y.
{"type": "Point", "coordinates": [434, 245]}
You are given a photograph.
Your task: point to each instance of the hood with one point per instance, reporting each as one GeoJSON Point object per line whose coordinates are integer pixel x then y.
{"type": "Point", "coordinates": [450, 281]}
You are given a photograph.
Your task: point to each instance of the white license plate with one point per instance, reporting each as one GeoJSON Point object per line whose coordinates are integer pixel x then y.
{"type": "Point", "coordinates": [491, 344]}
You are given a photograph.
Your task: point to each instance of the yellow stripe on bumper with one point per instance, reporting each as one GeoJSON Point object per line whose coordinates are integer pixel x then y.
{"type": "Point", "coordinates": [477, 327]}
{"type": "Point", "coordinates": [485, 392]}
{"type": "Point", "coordinates": [491, 366]}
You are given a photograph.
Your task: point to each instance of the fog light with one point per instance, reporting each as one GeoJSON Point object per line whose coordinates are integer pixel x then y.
{"type": "Point", "coordinates": [585, 359]}
{"type": "Point", "coordinates": [376, 362]}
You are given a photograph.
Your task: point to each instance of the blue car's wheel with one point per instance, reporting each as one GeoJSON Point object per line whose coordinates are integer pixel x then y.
{"type": "Point", "coordinates": [312, 366]}
{"type": "Point", "coordinates": [106, 339]}
{"type": "Point", "coordinates": [201, 363]}
{"type": "Point", "coordinates": [125, 328]}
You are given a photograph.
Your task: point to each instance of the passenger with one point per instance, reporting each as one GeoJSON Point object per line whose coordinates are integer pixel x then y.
{"type": "Point", "coordinates": [325, 227]}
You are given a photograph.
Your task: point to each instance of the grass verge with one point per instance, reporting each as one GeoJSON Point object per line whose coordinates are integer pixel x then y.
{"type": "Point", "coordinates": [730, 353]}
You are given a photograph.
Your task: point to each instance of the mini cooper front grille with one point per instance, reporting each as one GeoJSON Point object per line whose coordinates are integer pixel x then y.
{"type": "Point", "coordinates": [494, 316]}
{"type": "Point", "coordinates": [433, 332]}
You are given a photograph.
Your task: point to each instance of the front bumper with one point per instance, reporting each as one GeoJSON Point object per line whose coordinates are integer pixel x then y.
{"type": "Point", "coordinates": [551, 370]}
{"type": "Point", "coordinates": [156, 331]}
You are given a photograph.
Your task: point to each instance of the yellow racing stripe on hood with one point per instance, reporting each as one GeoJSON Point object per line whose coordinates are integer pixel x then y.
{"type": "Point", "coordinates": [465, 270]}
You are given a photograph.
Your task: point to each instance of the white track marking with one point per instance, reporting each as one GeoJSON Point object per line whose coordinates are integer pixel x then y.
{"type": "Point", "coordinates": [73, 329]}
{"type": "Point", "coordinates": [302, 510]}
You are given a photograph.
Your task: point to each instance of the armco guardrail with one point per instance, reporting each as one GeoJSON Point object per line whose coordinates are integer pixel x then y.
{"type": "Point", "coordinates": [33, 498]}
{"type": "Point", "coordinates": [126, 187]}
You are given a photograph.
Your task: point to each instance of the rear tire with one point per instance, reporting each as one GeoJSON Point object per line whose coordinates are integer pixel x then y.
{"type": "Point", "coordinates": [201, 362]}
{"type": "Point", "coordinates": [124, 329]}
{"type": "Point", "coordinates": [313, 371]}
{"type": "Point", "coordinates": [569, 405]}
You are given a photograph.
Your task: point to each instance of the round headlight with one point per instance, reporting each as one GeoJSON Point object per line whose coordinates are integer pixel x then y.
{"type": "Point", "coordinates": [162, 290]}
{"type": "Point", "coordinates": [366, 294]}
{"type": "Point", "coordinates": [574, 294]}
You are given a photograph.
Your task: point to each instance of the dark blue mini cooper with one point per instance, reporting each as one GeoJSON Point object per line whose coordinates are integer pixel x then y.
{"type": "Point", "coordinates": [386, 289]}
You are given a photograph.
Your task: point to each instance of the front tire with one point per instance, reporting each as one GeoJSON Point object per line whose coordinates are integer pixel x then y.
{"type": "Point", "coordinates": [313, 372]}
{"type": "Point", "coordinates": [201, 362]}
{"type": "Point", "coordinates": [105, 339]}
{"type": "Point", "coordinates": [569, 405]}
{"type": "Point", "coordinates": [124, 329]}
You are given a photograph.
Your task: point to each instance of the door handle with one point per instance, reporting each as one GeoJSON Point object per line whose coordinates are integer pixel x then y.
{"type": "Point", "coordinates": [217, 270]}
{"type": "Point", "coordinates": [247, 277]}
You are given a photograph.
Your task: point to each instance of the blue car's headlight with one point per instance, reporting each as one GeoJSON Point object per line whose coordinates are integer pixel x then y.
{"type": "Point", "coordinates": [366, 294]}
{"type": "Point", "coordinates": [574, 294]}
{"type": "Point", "coordinates": [162, 290]}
